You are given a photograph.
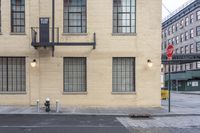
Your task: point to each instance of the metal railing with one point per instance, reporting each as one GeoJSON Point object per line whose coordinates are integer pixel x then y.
{"type": "Point", "coordinates": [35, 34]}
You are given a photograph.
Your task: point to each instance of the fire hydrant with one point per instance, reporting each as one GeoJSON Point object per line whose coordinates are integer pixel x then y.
{"type": "Point", "coordinates": [47, 105]}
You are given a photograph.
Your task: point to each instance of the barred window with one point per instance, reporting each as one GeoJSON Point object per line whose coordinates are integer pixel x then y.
{"type": "Point", "coordinates": [124, 16]}
{"type": "Point", "coordinates": [123, 75]}
{"type": "Point", "coordinates": [75, 74]}
{"type": "Point", "coordinates": [12, 74]}
{"type": "Point", "coordinates": [18, 16]}
{"type": "Point", "coordinates": [75, 16]}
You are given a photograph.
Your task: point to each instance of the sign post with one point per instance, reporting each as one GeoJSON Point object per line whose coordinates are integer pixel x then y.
{"type": "Point", "coordinates": [169, 52]}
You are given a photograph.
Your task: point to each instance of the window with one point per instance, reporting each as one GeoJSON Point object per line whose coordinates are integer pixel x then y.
{"type": "Point", "coordinates": [187, 66]}
{"type": "Point", "coordinates": [198, 31]}
{"type": "Point", "coordinates": [75, 74]}
{"type": "Point", "coordinates": [186, 21]}
{"type": "Point", "coordinates": [181, 24]}
{"type": "Point", "coordinates": [177, 25]}
{"type": "Point", "coordinates": [187, 50]}
{"type": "Point", "coordinates": [191, 48]}
{"type": "Point", "coordinates": [12, 74]}
{"type": "Point", "coordinates": [177, 51]}
{"type": "Point", "coordinates": [173, 40]}
{"type": "Point", "coordinates": [191, 33]}
{"type": "Point", "coordinates": [18, 16]}
{"type": "Point", "coordinates": [182, 50]}
{"type": "Point", "coordinates": [173, 28]}
{"type": "Point", "coordinates": [124, 16]}
{"type": "Point", "coordinates": [123, 75]}
{"type": "Point", "coordinates": [182, 36]}
{"type": "Point", "coordinates": [169, 41]}
{"type": "Point", "coordinates": [198, 64]}
{"type": "Point", "coordinates": [186, 36]}
{"type": "Point", "coordinates": [191, 18]}
{"type": "Point", "coordinates": [75, 16]}
{"type": "Point", "coordinates": [191, 65]}
{"type": "Point", "coordinates": [177, 40]}
{"type": "Point", "coordinates": [169, 30]}
{"type": "Point", "coordinates": [198, 46]}
{"type": "Point", "coordinates": [198, 15]}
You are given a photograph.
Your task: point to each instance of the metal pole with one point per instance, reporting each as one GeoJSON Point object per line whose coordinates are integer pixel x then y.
{"type": "Point", "coordinates": [38, 106]}
{"type": "Point", "coordinates": [57, 106]}
{"type": "Point", "coordinates": [169, 87]}
{"type": "Point", "coordinates": [53, 19]}
{"type": "Point", "coordinates": [53, 24]}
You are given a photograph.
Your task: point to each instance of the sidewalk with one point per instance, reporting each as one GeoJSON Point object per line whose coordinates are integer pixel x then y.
{"type": "Point", "coordinates": [74, 110]}
{"type": "Point", "coordinates": [181, 105]}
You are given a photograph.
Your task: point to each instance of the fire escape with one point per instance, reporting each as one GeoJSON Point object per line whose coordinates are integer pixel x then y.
{"type": "Point", "coordinates": [46, 36]}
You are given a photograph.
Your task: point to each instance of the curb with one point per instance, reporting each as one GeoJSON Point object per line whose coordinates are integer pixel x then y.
{"type": "Point", "coordinates": [132, 115]}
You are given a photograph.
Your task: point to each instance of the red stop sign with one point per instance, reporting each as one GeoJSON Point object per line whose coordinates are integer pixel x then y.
{"type": "Point", "coordinates": [170, 51]}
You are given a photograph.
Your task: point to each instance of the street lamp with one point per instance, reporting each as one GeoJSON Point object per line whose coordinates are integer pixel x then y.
{"type": "Point", "coordinates": [33, 63]}
{"type": "Point", "coordinates": [149, 63]}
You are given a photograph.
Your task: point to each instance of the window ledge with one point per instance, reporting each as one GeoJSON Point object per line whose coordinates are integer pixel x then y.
{"type": "Point", "coordinates": [124, 34]}
{"type": "Point", "coordinates": [13, 93]}
{"type": "Point", "coordinates": [123, 93]}
{"type": "Point", "coordinates": [75, 34]}
{"type": "Point", "coordinates": [75, 93]}
{"type": "Point", "coordinates": [15, 33]}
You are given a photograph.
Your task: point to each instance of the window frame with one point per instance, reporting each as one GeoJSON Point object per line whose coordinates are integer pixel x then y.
{"type": "Point", "coordinates": [12, 90]}
{"type": "Point", "coordinates": [133, 89]}
{"type": "Point", "coordinates": [82, 30]}
{"type": "Point", "coordinates": [198, 31]}
{"type": "Point", "coordinates": [69, 92]}
{"type": "Point", "coordinates": [198, 15]}
{"type": "Point", "coordinates": [12, 19]}
{"type": "Point", "coordinates": [117, 26]}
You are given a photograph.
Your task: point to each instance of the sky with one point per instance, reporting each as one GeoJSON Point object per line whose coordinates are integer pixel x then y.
{"type": "Point", "coordinates": [171, 5]}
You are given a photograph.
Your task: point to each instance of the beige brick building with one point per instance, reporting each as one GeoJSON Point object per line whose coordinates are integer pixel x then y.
{"type": "Point", "coordinates": [115, 73]}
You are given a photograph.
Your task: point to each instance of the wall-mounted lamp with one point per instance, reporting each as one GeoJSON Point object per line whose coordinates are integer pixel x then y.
{"type": "Point", "coordinates": [33, 63]}
{"type": "Point", "coordinates": [149, 63]}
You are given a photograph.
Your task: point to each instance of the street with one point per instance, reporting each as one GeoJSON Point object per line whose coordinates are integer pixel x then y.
{"type": "Point", "coordinates": [60, 124]}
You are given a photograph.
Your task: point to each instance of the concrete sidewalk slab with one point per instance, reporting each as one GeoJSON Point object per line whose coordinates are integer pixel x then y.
{"type": "Point", "coordinates": [74, 110]}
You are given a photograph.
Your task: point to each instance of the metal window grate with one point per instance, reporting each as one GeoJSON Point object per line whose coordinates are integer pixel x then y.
{"type": "Point", "coordinates": [18, 16]}
{"type": "Point", "coordinates": [123, 74]}
{"type": "Point", "coordinates": [75, 74]}
{"type": "Point", "coordinates": [12, 74]}
{"type": "Point", "coordinates": [124, 15]}
{"type": "Point", "coordinates": [75, 17]}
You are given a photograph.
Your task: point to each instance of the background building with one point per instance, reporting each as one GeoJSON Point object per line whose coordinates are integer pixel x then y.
{"type": "Point", "coordinates": [114, 73]}
{"type": "Point", "coordinates": [182, 29]}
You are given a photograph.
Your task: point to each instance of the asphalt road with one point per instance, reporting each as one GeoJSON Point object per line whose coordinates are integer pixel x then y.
{"type": "Point", "coordinates": [60, 124]}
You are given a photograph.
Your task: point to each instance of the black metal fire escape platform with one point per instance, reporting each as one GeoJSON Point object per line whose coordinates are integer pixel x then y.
{"type": "Point", "coordinates": [37, 42]}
